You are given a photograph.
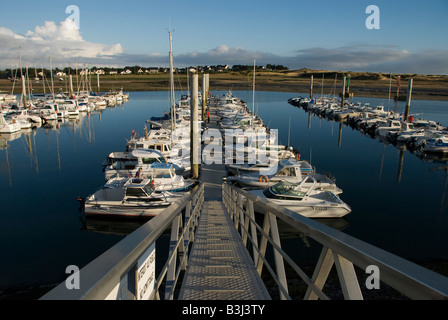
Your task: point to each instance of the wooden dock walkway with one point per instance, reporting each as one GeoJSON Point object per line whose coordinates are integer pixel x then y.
{"type": "Point", "coordinates": [219, 267]}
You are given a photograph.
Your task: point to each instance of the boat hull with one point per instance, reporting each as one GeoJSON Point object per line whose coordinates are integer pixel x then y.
{"type": "Point", "coordinates": [131, 211]}
{"type": "Point", "coordinates": [311, 211]}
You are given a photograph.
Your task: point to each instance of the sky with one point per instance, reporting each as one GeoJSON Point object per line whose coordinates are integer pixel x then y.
{"type": "Point", "coordinates": [397, 37]}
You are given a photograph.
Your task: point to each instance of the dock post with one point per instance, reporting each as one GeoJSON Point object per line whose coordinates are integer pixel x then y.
{"type": "Point", "coordinates": [24, 93]}
{"type": "Point", "coordinates": [311, 87]}
{"type": "Point", "coordinates": [204, 96]}
{"type": "Point", "coordinates": [194, 156]}
{"type": "Point", "coordinates": [343, 93]}
{"type": "Point", "coordinates": [408, 101]}
{"type": "Point", "coordinates": [72, 93]}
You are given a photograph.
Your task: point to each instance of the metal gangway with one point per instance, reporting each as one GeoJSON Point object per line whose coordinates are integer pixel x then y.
{"type": "Point", "coordinates": [219, 250]}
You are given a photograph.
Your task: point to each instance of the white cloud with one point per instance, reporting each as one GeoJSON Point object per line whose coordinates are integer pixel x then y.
{"type": "Point", "coordinates": [62, 42]}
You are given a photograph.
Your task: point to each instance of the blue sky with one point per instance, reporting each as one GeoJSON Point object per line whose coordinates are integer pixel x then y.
{"type": "Point", "coordinates": [319, 34]}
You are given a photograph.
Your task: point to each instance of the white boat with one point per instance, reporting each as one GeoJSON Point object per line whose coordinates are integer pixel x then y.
{"type": "Point", "coordinates": [49, 112]}
{"type": "Point", "coordinates": [135, 198]}
{"type": "Point", "coordinates": [127, 163]}
{"type": "Point", "coordinates": [163, 177]}
{"type": "Point", "coordinates": [436, 145]}
{"type": "Point", "coordinates": [306, 201]}
{"type": "Point", "coordinates": [266, 168]}
{"type": "Point", "coordinates": [8, 125]}
{"type": "Point", "coordinates": [70, 106]}
{"type": "Point", "coordinates": [391, 126]}
{"type": "Point", "coordinates": [289, 171]}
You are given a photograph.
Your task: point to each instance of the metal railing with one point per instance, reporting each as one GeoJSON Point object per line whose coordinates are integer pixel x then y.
{"type": "Point", "coordinates": [338, 249]}
{"type": "Point", "coordinates": [117, 272]}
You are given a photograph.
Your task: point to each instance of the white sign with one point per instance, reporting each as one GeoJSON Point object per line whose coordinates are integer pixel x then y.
{"type": "Point", "coordinates": [145, 274]}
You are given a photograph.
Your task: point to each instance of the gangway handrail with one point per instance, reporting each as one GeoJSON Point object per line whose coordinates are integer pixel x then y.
{"type": "Point", "coordinates": [99, 279]}
{"type": "Point", "coordinates": [339, 249]}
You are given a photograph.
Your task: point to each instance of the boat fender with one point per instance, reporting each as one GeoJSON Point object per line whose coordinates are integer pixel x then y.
{"type": "Point", "coordinates": [298, 157]}
{"type": "Point", "coordinates": [264, 179]}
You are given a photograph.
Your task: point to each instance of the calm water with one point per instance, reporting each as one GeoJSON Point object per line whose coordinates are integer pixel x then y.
{"type": "Point", "coordinates": [399, 202]}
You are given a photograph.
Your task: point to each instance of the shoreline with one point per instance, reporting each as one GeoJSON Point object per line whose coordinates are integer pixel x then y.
{"type": "Point", "coordinates": [423, 88]}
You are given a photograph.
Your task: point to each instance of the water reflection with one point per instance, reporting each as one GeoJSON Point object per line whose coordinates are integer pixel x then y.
{"type": "Point", "coordinates": [119, 227]}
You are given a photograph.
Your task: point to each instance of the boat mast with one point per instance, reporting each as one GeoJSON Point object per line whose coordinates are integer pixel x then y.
{"type": "Point", "coordinates": [52, 83]}
{"type": "Point", "coordinates": [173, 123]}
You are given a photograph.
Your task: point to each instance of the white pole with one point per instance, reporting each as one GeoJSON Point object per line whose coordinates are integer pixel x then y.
{"type": "Point", "coordinates": [194, 152]}
{"type": "Point", "coordinates": [253, 92]}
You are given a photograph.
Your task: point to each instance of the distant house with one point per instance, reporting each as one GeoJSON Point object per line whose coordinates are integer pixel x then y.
{"type": "Point", "coordinates": [127, 71]}
{"type": "Point", "coordinates": [113, 72]}
{"type": "Point", "coordinates": [141, 71]}
{"type": "Point", "coordinates": [152, 70]}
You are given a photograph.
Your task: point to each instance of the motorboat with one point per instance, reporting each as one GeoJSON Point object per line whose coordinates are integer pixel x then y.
{"type": "Point", "coordinates": [162, 175]}
{"type": "Point", "coordinates": [135, 198]}
{"type": "Point", "coordinates": [289, 171]}
{"type": "Point", "coordinates": [437, 145]}
{"type": "Point", "coordinates": [307, 201]}
{"type": "Point", "coordinates": [8, 125]}
{"type": "Point", "coordinates": [127, 163]}
{"type": "Point", "coordinates": [392, 126]}
{"type": "Point", "coordinates": [266, 167]}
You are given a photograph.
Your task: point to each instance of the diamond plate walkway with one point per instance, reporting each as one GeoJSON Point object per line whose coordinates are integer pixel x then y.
{"type": "Point", "coordinates": [219, 267]}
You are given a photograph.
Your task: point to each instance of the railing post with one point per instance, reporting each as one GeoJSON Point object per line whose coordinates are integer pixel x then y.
{"type": "Point", "coordinates": [279, 264]}
{"type": "Point", "coordinates": [171, 272]}
{"type": "Point", "coordinates": [237, 210]}
{"type": "Point", "coordinates": [253, 230]}
{"type": "Point", "coordinates": [347, 277]}
{"type": "Point", "coordinates": [320, 275]}
{"type": "Point", "coordinates": [189, 234]}
{"type": "Point", "coordinates": [263, 244]}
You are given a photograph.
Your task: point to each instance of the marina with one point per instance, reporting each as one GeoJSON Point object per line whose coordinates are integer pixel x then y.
{"type": "Point", "coordinates": [72, 156]}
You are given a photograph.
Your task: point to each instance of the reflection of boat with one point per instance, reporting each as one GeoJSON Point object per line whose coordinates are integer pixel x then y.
{"type": "Point", "coordinates": [288, 170]}
{"type": "Point", "coordinates": [306, 201]}
{"type": "Point", "coordinates": [135, 198]}
{"type": "Point", "coordinates": [10, 136]}
{"type": "Point", "coordinates": [121, 227]}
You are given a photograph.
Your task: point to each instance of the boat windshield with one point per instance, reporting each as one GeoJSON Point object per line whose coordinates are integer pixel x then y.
{"type": "Point", "coordinates": [162, 173]}
{"type": "Point", "coordinates": [287, 171]}
{"type": "Point", "coordinates": [149, 188]}
{"type": "Point", "coordinates": [152, 160]}
{"type": "Point", "coordinates": [287, 189]}
{"type": "Point", "coordinates": [140, 191]}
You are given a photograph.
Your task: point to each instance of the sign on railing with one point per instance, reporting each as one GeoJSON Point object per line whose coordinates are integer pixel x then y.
{"type": "Point", "coordinates": [145, 274]}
